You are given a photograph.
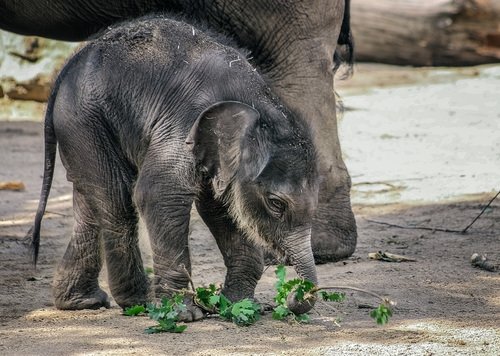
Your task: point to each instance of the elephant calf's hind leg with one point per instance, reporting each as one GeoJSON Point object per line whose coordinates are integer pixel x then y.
{"type": "Point", "coordinates": [75, 284]}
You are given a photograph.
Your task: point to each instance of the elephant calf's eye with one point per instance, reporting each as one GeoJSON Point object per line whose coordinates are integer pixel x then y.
{"type": "Point", "coordinates": [276, 205]}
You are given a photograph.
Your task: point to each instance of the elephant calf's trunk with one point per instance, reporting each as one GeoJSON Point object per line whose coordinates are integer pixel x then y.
{"type": "Point", "coordinates": [300, 254]}
{"type": "Point", "coordinates": [302, 306]}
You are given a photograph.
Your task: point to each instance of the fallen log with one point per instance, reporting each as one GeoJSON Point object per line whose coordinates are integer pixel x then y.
{"type": "Point", "coordinates": [427, 32]}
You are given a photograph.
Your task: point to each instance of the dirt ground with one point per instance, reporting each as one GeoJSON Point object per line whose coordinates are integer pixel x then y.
{"type": "Point", "coordinates": [444, 305]}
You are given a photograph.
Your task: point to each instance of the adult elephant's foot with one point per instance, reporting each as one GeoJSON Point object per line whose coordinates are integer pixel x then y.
{"type": "Point", "coordinates": [94, 299]}
{"type": "Point", "coordinates": [334, 233]}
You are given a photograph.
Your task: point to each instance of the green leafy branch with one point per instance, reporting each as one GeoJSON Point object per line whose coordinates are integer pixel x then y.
{"type": "Point", "coordinates": [293, 298]}
{"type": "Point", "coordinates": [166, 314]}
{"type": "Point", "coordinates": [299, 291]}
{"type": "Point", "coordinates": [243, 313]}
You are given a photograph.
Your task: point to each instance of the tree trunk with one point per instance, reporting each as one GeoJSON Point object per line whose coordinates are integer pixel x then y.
{"type": "Point", "coordinates": [427, 32]}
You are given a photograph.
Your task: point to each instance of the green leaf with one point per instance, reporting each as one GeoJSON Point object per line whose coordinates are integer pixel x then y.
{"type": "Point", "coordinates": [381, 314]}
{"type": "Point", "coordinates": [214, 300]}
{"type": "Point", "coordinates": [134, 310]}
{"type": "Point", "coordinates": [180, 328]}
{"type": "Point", "coordinates": [280, 312]}
{"type": "Point", "coordinates": [224, 306]}
{"type": "Point", "coordinates": [204, 296]}
{"type": "Point", "coordinates": [152, 330]}
{"type": "Point", "coordinates": [171, 315]}
{"type": "Point", "coordinates": [302, 318]}
{"type": "Point", "coordinates": [245, 312]}
{"type": "Point", "coordinates": [166, 314]}
{"type": "Point", "coordinates": [281, 274]}
{"type": "Point", "coordinates": [301, 288]}
{"type": "Point", "coordinates": [332, 297]}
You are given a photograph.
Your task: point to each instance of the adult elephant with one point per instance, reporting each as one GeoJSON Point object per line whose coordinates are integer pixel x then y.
{"type": "Point", "coordinates": [293, 43]}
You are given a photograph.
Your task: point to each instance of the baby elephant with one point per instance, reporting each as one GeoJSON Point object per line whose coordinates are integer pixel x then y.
{"type": "Point", "coordinates": [150, 117]}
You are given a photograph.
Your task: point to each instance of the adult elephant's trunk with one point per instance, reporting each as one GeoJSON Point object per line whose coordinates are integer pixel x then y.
{"type": "Point", "coordinates": [299, 253]}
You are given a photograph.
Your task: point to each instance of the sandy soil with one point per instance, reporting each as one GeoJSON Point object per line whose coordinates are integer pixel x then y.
{"type": "Point", "coordinates": [444, 305]}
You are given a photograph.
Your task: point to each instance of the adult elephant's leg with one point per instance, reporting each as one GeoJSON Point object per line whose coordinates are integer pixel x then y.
{"type": "Point", "coordinates": [242, 258]}
{"type": "Point", "coordinates": [293, 43]}
{"type": "Point", "coordinates": [301, 72]}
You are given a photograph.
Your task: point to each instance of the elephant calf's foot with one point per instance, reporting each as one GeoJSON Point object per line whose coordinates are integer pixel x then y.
{"type": "Point", "coordinates": [131, 294]}
{"type": "Point", "coordinates": [77, 301]}
{"type": "Point", "coordinates": [235, 294]}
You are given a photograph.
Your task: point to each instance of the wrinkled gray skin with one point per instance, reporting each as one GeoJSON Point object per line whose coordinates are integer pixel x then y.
{"type": "Point", "coordinates": [292, 43]}
{"type": "Point", "coordinates": [150, 118]}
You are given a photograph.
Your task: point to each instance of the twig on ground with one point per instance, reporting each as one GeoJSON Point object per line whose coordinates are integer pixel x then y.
{"type": "Point", "coordinates": [481, 213]}
{"type": "Point", "coordinates": [414, 227]}
{"type": "Point", "coordinates": [463, 231]}
{"type": "Point", "coordinates": [179, 291]}
{"type": "Point", "coordinates": [383, 299]}
{"type": "Point", "coordinates": [327, 304]}
{"type": "Point", "coordinates": [188, 276]}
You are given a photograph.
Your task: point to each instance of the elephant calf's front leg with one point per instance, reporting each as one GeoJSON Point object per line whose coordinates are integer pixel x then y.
{"type": "Point", "coordinates": [167, 221]}
{"type": "Point", "coordinates": [243, 259]}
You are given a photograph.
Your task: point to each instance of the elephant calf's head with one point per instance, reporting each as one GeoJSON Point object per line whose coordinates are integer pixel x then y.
{"type": "Point", "coordinates": [264, 166]}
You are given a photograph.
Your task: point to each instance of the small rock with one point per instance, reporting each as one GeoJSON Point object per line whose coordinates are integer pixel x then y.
{"type": "Point", "coordinates": [482, 262]}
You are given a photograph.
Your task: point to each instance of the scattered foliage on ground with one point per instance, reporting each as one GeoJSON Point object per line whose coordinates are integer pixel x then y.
{"type": "Point", "coordinates": [166, 313]}
{"type": "Point", "coordinates": [306, 291]}
{"type": "Point", "coordinates": [246, 312]}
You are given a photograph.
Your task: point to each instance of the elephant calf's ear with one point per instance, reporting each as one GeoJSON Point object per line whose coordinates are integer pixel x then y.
{"type": "Point", "coordinates": [216, 136]}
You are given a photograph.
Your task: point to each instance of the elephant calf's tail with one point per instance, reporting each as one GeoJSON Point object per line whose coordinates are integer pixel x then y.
{"type": "Point", "coordinates": [33, 236]}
